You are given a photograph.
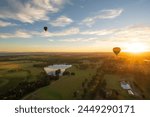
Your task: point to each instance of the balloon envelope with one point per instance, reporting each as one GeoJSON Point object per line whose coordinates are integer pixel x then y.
{"type": "Point", "coordinates": [45, 28]}
{"type": "Point", "coordinates": [116, 50]}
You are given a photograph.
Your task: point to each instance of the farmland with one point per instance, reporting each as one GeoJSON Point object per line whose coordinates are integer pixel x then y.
{"type": "Point", "coordinates": [95, 76]}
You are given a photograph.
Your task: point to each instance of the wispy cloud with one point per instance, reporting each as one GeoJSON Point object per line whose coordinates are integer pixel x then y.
{"type": "Point", "coordinates": [62, 21]}
{"type": "Point", "coordinates": [98, 32]}
{"type": "Point", "coordinates": [5, 24]}
{"type": "Point", "coordinates": [103, 14]}
{"type": "Point", "coordinates": [77, 31]}
{"type": "Point", "coordinates": [138, 33]}
{"type": "Point", "coordinates": [29, 34]}
{"type": "Point", "coordinates": [79, 39]}
{"type": "Point", "coordinates": [30, 11]}
{"type": "Point", "coordinates": [70, 31]}
{"type": "Point", "coordinates": [51, 40]}
{"type": "Point", "coordinates": [132, 33]}
{"type": "Point", "coordinates": [17, 34]}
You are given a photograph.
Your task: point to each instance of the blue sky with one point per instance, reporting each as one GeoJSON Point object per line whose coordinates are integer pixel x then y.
{"type": "Point", "coordinates": [73, 25]}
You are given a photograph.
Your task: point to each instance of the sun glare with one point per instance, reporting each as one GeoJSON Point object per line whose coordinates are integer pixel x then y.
{"type": "Point", "coordinates": [135, 48]}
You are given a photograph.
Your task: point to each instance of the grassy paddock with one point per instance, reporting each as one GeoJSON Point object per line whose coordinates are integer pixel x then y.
{"type": "Point", "coordinates": [14, 72]}
{"type": "Point", "coordinates": [64, 87]}
{"type": "Point", "coordinates": [113, 82]}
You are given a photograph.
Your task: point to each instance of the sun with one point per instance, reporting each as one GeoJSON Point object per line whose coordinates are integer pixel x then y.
{"type": "Point", "coordinates": [135, 48]}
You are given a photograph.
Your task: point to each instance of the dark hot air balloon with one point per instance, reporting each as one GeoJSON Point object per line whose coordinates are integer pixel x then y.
{"type": "Point", "coordinates": [45, 28]}
{"type": "Point", "coordinates": [116, 50]}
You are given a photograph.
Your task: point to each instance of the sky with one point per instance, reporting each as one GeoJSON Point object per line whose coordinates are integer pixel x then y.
{"type": "Point", "coordinates": [73, 25]}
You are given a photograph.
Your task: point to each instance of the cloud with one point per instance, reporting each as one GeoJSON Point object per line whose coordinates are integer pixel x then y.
{"type": "Point", "coordinates": [29, 34]}
{"type": "Point", "coordinates": [79, 40]}
{"type": "Point", "coordinates": [76, 31]}
{"type": "Point", "coordinates": [5, 24]}
{"type": "Point", "coordinates": [98, 32]}
{"type": "Point", "coordinates": [17, 34]}
{"type": "Point", "coordinates": [62, 21]}
{"type": "Point", "coordinates": [70, 31]}
{"type": "Point", "coordinates": [104, 14]}
{"type": "Point", "coordinates": [30, 11]}
{"type": "Point", "coordinates": [135, 33]}
{"type": "Point", "coordinates": [132, 33]}
{"type": "Point", "coordinates": [51, 40]}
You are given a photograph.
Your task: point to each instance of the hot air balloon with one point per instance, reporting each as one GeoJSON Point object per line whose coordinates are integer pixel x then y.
{"type": "Point", "coordinates": [45, 28]}
{"type": "Point", "coordinates": [116, 50]}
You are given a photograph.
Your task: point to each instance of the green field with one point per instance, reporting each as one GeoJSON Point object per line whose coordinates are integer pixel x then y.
{"type": "Point", "coordinates": [113, 83]}
{"type": "Point", "coordinates": [96, 76]}
{"type": "Point", "coordinates": [14, 72]}
{"type": "Point", "coordinates": [64, 87]}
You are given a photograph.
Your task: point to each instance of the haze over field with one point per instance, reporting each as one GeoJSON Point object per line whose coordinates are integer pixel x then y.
{"type": "Point", "coordinates": [74, 25]}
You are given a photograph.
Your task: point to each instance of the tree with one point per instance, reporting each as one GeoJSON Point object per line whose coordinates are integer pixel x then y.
{"type": "Point", "coordinates": [75, 94]}
{"type": "Point", "coordinates": [57, 72]}
{"type": "Point", "coordinates": [66, 73]}
{"type": "Point", "coordinates": [72, 73]}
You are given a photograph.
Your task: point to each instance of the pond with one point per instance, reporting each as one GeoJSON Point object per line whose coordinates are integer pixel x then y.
{"type": "Point", "coordinates": [50, 70]}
